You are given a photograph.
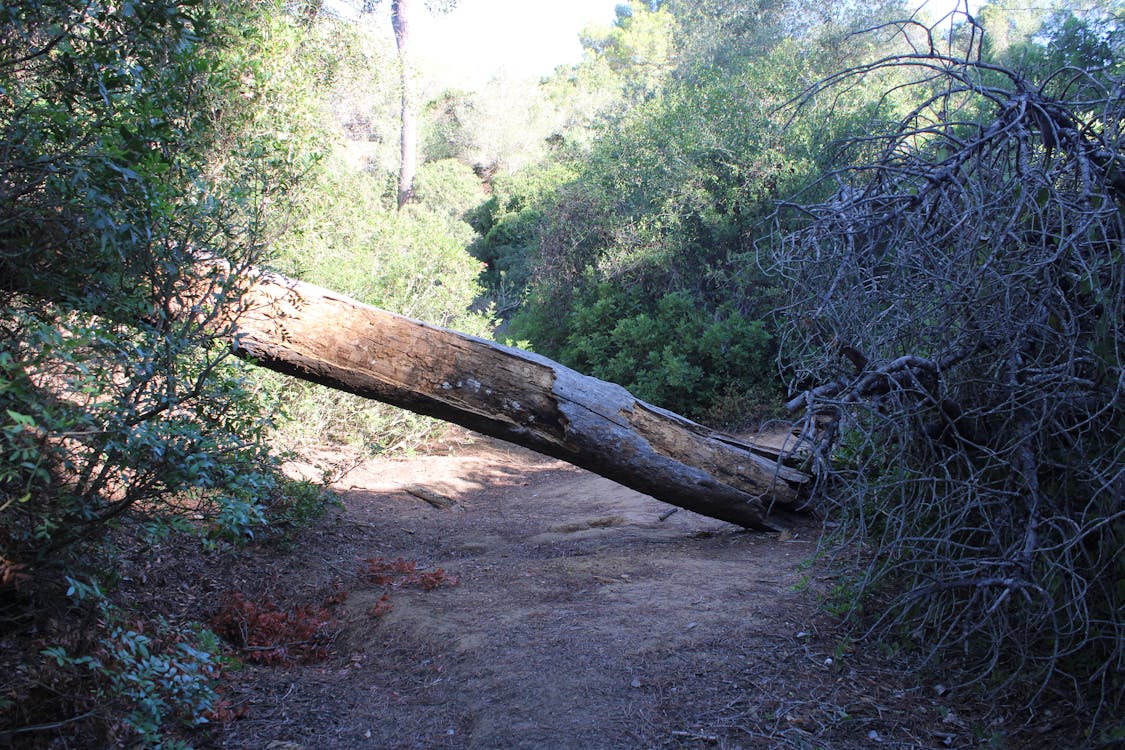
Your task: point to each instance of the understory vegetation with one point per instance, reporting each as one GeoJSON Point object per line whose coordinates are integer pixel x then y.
{"type": "Point", "coordinates": [121, 190]}
{"type": "Point", "coordinates": [961, 294]}
{"type": "Point", "coordinates": [909, 228]}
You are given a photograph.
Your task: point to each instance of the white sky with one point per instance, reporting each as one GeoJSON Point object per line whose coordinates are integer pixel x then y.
{"type": "Point", "coordinates": [526, 38]}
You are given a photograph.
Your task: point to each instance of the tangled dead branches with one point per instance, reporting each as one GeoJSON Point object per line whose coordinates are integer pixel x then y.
{"type": "Point", "coordinates": [956, 334]}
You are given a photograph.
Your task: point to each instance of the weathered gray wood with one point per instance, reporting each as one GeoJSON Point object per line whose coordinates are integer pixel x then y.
{"type": "Point", "coordinates": [321, 336]}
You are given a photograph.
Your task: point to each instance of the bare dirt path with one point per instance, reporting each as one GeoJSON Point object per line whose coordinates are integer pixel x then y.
{"type": "Point", "coordinates": [581, 620]}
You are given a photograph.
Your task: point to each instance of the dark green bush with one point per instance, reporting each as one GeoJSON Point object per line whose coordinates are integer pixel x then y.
{"type": "Point", "coordinates": [114, 400]}
{"type": "Point", "coordinates": [669, 350]}
{"type": "Point", "coordinates": [138, 183]}
{"type": "Point", "coordinates": [510, 223]}
{"type": "Point", "coordinates": [142, 680]}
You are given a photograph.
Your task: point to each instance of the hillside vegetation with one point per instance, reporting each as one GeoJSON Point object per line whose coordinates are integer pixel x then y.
{"type": "Point", "coordinates": [908, 228]}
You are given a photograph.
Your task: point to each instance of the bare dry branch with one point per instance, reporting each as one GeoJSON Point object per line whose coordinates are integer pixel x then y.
{"type": "Point", "coordinates": [973, 419]}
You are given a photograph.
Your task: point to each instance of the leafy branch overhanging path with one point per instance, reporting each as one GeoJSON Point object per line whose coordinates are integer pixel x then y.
{"type": "Point", "coordinates": [321, 336]}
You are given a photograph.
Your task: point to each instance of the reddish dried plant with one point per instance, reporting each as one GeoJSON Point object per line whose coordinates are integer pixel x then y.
{"type": "Point", "coordinates": [389, 572]}
{"type": "Point", "coordinates": [267, 634]}
{"type": "Point", "coordinates": [401, 572]}
{"type": "Point", "coordinates": [382, 607]}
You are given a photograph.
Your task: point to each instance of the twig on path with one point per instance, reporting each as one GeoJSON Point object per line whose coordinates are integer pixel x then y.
{"type": "Point", "coordinates": [695, 736]}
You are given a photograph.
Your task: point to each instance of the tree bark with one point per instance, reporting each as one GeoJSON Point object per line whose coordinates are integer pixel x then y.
{"type": "Point", "coordinates": [408, 134]}
{"type": "Point", "coordinates": [314, 334]}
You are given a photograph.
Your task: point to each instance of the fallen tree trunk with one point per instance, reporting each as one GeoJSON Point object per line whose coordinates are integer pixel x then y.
{"type": "Point", "coordinates": [317, 335]}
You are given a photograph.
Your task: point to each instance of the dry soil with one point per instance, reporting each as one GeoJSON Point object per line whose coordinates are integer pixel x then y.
{"type": "Point", "coordinates": [579, 619]}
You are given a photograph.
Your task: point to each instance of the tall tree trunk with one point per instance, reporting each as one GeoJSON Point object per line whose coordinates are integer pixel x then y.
{"type": "Point", "coordinates": [309, 10]}
{"type": "Point", "coordinates": [318, 335]}
{"type": "Point", "coordinates": [401, 11]}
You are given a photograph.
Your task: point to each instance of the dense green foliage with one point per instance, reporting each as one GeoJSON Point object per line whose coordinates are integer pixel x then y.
{"type": "Point", "coordinates": [134, 153]}
{"type": "Point", "coordinates": [620, 216]}
{"type": "Point", "coordinates": [672, 352]}
{"type": "Point", "coordinates": [648, 236]}
{"type": "Point", "coordinates": [113, 397]}
{"type": "Point", "coordinates": [136, 682]}
{"type": "Point", "coordinates": [509, 224]}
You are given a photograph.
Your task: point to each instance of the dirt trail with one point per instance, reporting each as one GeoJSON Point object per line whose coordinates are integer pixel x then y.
{"type": "Point", "coordinates": [581, 621]}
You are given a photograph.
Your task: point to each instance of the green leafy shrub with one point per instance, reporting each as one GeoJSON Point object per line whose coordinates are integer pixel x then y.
{"type": "Point", "coordinates": [145, 166]}
{"type": "Point", "coordinates": [139, 680]}
{"type": "Point", "coordinates": [510, 223]}
{"type": "Point", "coordinates": [412, 262]}
{"type": "Point", "coordinates": [93, 430]}
{"type": "Point", "coordinates": [116, 395]}
{"type": "Point", "coordinates": [669, 351]}
{"type": "Point", "coordinates": [448, 187]}
{"type": "Point", "coordinates": [642, 266]}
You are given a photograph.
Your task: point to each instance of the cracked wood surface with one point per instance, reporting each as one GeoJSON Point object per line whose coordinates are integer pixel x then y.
{"type": "Point", "coordinates": [318, 335]}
